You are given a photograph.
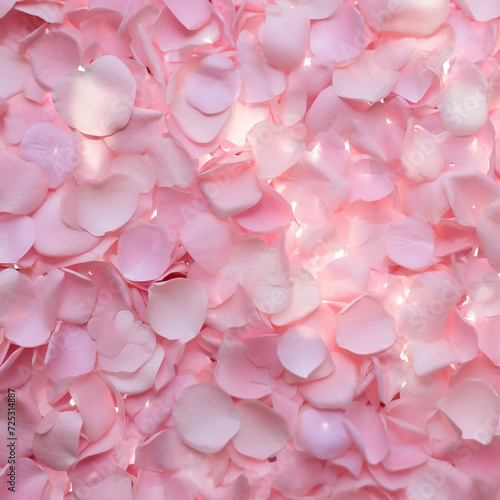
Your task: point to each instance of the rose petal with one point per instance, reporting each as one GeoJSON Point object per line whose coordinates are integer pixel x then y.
{"type": "Point", "coordinates": [17, 235]}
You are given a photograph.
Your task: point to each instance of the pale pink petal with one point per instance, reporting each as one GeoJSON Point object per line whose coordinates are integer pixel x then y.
{"type": "Point", "coordinates": [322, 434]}
{"type": "Point", "coordinates": [238, 375]}
{"type": "Point", "coordinates": [263, 431]}
{"type": "Point", "coordinates": [12, 79]}
{"type": "Point", "coordinates": [427, 200]}
{"type": "Point", "coordinates": [469, 192]}
{"type": "Point", "coordinates": [136, 167]}
{"type": "Point", "coordinates": [368, 431]}
{"type": "Point", "coordinates": [464, 107]}
{"type": "Point", "coordinates": [275, 147]}
{"type": "Point", "coordinates": [106, 205]}
{"type": "Point", "coordinates": [53, 237]}
{"type": "Point", "coordinates": [294, 103]}
{"type": "Point", "coordinates": [414, 80]}
{"type": "Point", "coordinates": [51, 149]}
{"type": "Point", "coordinates": [430, 357]}
{"type": "Point", "coordinates": [214, 86]}
{"type": "Point", "coordinates": [51, 12]}
{"type": "Point", "coordinates": [170, 34]}
{"type": "Point", "coordinates": [301, 351]}
{"type": "Point", "coordinates": [230, 189]}
{"type": "Point", "coordinates": [30, 480]}
{"type": "Point", "coordinates": [480, 11]}
{"type": "Point", "coordinates": [96, 405]}
{"type": "Point", "coordinates": [487, 228]}
{"type": "Point", "coordinates": [364, 327]}
{"type": "Point", "coordinates": [205, 417]}
{"type": "Point", "coordinates": [410, 17]}
{"type": "Point", "coordinates": [13, 285]}
{"type": "Point", "coordinates": [144, 252]}
{"type": "Point", "coordinates": [341, 36]}
{"type": "Point", "coordinates": [281, 50]}
{"type": "Point", "coordinates": [193, 14]}
{"type": "Point", "coordinates": [56, 439]}
{"type": "Point", "coordinates": [5, 6]}
{"type": "Point", "coordinates": [471, 405]}
{"type": "Point", "coordinates": [98, 100]}
{"type": "Point", "coordinates": [71, 353]}
{"type": "Point", "coordinates": [78, 298]}
{"type": "Point", "coordinates": [173, 165]}
{"type": "Point", "coordinates": [410, 243]}
{"type": "Point", "coordinates": [462, 336]}
{"type": "Point", "coordinates": [177, 308]}
{"type": "Point", "coordinates": [343, 279]}
{"type": "Point", "coordinates": [17, 235]}
{"type": "Point", "coordinates": [369, 180]}
{"type": "Point", "coordinates": [270, 214]}
{"type": "Point", "coordinates": [364, 80]}
{"type": "Point", "coordinates": [23, 187]}
{"type": "Point", "coordinates": [314, 9]}
{"type": "Point", "coordinates": [335, 391]}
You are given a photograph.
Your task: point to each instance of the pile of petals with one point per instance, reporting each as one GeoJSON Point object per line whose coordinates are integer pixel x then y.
{"type": "Point", "coordinates": [250, 249]}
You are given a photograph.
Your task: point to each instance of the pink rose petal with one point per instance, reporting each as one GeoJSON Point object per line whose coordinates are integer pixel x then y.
{"type": "Point", "coordinates": [17, 235]}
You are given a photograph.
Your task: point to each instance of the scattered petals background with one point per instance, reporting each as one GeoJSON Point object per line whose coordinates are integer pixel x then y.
{"type": "Point", "coordinates": [250, 249]}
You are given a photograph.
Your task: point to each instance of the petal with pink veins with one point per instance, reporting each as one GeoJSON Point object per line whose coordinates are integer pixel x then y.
{"type": "Point", "coordinates": [365, 327]}
{"type": "Point", "coordinates": [177, 308]}
{"type": "Point", "coordinates": [106, 205]}
{"type": "Point", "coordinates": [98, 100]}
{"type": "Point", "coordinates": [263, 431]}
{"type": "Point", "coordinates": [205, 417]}
{"type": "Point", "coordinates": [472, 405]}
{"type": "Point", "coordinates": [56, 439]}
{"type": "Point", "coordinates": [410, 243]}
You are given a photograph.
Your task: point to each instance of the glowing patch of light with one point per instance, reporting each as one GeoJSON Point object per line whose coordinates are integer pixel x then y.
{"type": "Point", "coordinates": [316, 149]}
{"type": "Point", "coordinates": [299, 232]}
{"type": "Point", "coordinates": [147, 403]}
{"type": "Point", "coordinates": [155, 213]}
{"type": "Point", "coordinates": [404, 383]}
{"type": "Point", "coordinates": [471, 316]}
{"type": "Point", "coordinates": [81, 68]}
{"type": "Point", "coordinates": [70, 487]}
{"type": "Point", "coordinates": [294, 205]}
{"type": "Point", "coordinates": [407, 292]}
{"type": "Point", "coordinates": [347, 146]}
{"type": "Point", "coordinates": [476, 252]}
{"type": "Point", "coordinates": [446, 67]}
{"type": "Point", "coordinates": [403, 355]}
{"type": "Point", "coordinates": [16, 266]}
{"type": "Point", "coordinates": [324, 426]}
{"type": "Point", "coordinates": [116, 409]}
{"type": "Point", "coordinates": [72, 402]}
{"type": "Point", "coordinates": [339, 254]}
{"type": "Point", "coordinates": [400, 300]}
{"type": "Point", "coordinates": [387, 120]}
{"type": "Point", "coordinates": [307, 61]}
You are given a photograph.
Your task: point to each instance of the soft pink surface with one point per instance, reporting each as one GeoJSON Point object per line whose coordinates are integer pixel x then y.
{"type": "Point", "coordinates": [250, 249]}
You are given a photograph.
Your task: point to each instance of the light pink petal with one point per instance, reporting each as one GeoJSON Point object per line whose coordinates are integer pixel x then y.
{"type": "Point", "coordinates": [142, 379]}
{"type": "Point", "coordinates": [275, 147]}
{"type": "Point", "coordinates": [78, 298]}
{"type": "Point", "coordinates": [410, 243]}
{"type": "Point", "coordinates": [99, 100]}
{"type": "Point", "coordinates": [71, 353]}
{"type": "Point", "coordinates": [205, 417]}
{"type": "Point", "coordinates": [172, 164]}
{"type": "Point", "coordinates": [270, 214]}
{"type": "Point", "coordinates": [17, 235]}
{"type": "Point", "coordinates": [369, 180]}
{"type": "Point", "coordinates": [472, 405]}
{"type": "Point", "coordinates": [53, 237]}
{"type": "Point", "coordinates": [106, 205]}
{"type": "Point", "coordinates": [427, 200]}
{"type": "Point", "coordinates": [464, 107]}
{"type": "Point", "coordinates": [214, 86]}
{"type": "Point", "coordinates": [414, 80]}
{"type": "Point", "coordinates": [177, 308]}
{"type": "Point", "coordinates": [301, 351]}
{"type": "Point", "coordinates": [420, 155]}
{"type": "Point", "coordinates": [341, 36]}
{"type": "Point", "coordinates": [314, 9]}
{"type": "Point", "coordinates": [13, 285]}
{"type": "Point", "coordinates": [96, 405]}
{"type": "Point", "coordinates": [51, 12]}
{"type": "Point", "coordinates": [136, 167]}
{"type": "Point", "coordinates": [469, 193]}
{"type": "Point", "coordinates": [462, 336]}
{"type": "Point", "coordinates": [230, 189]}
{"type": "Point", "coordinates": [368, 431]}
{"type": "Point", "coordinates": [56, 439]}
{"type": "Point", "coordinates": [263, 431]}
{"type": "Point", "coordinates": [480, 11]}
{"type": "Point", "coordinates": [364, 80]}
{"type": "Point", "coordinates": [488, 225]}
{"type": "Point", "coordinates": [53, 56]}
{"type": "Point", "coordinates": [30, 481]}
{"type": "Point", "coordinates": [170, 34]}
{"type": "Point", "coordinates": [335, 391]}
{"type": "Point", "coordinates": [430, 357]}
{"type": "Point", "coordinates": [193, 14]}
{"type": "Point", "coordinates": [343, 279]}
{"type": "Point", "coordinates": [144, 252]}
{"type": "Point", "coordinates": [51, 149]}
{"type": "Point", "coordinates": [12, 80]}
{"type": "Point", "coordinates": [364, 327]}
{"type": "Point", "coordinates": [5, 6]}
{"type": "Point", "coordinates": [281, 50]}
{"type": "Point", "coordinates": [207, 239]}
{"type": "Point", "coordinates": [23, 187]}
{"type": "Point", "coordinates": [322, 434]}
{"type": "Point", "coordinates": [411, 17]}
